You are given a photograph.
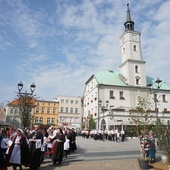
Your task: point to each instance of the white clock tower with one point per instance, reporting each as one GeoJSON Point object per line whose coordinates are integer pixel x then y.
{"type": "Point", "coordinates": [132, 68]}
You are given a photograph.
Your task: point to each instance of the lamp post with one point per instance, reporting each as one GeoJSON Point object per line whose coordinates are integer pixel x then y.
{"type": "Point", "coordinates": [25, 97]}
{"type": "Point", "coordinates": [104, 108]}
{"type": "Point", "coordinates": [152, 90]}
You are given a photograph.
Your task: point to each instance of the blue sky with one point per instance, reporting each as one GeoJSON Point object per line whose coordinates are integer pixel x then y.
{"type": "Point", "coordinates": [59, 44]}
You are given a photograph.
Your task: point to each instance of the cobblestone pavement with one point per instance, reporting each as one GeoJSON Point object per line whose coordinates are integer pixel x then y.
{"type": "Point", "coordinates": [123, 164]}
{"type": "Point", "coordinates": [98, 155]}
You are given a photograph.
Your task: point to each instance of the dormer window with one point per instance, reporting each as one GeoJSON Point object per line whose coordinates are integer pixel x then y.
{"type": "Point", "coordinates": [137, 80]}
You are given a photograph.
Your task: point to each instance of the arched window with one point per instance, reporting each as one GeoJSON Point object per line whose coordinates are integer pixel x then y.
{"type": "Point", "coordinates": [134, 48]}
{"type": "Point", "coordinates": [136, 69]}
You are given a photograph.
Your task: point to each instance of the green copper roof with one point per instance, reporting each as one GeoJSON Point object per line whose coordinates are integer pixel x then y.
{"type": "Point", "coordinates": [109, 77]}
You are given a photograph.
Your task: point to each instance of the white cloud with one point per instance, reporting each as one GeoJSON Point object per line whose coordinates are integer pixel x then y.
{"type": "Point", "coordinates": [60, 49]}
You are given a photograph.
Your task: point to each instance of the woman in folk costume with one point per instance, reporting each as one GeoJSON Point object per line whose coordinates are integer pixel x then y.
{"type": "Point", "coordinates": [58, 147]}
{"type": "Point", "coordinates": [35, 143]}
{"type": "Point", "coordinates": [73, 143]}
{"type": "Point", "coordinates": [49, 143]}
{"type": "Point", "coordinates": [18, 154]}
{"type": "Point", "coordinates": [44, 146]}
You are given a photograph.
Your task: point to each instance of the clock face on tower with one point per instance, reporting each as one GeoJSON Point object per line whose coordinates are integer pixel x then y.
{"type": "Point", "coordinates": [134, 37]}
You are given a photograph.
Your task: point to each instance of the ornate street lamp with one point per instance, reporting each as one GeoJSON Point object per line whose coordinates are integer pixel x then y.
{"type": "Point", "coordinates": [20, 87]}
{"type": "Point", "coordinates": [25, 96]}
{"type": "Point", "coordinates": [104, 108]}
{"type": "Point", "coordinates": [153, 90]}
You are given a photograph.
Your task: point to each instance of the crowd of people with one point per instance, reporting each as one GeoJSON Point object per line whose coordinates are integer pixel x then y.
{"type": "Point", "coordinates": [28, 148]}
{"type": "Point", "coordinates": [111, 135]}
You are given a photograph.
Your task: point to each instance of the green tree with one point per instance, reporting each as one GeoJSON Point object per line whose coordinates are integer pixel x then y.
{"type": "Point", "coordinates": [91, 123]}
{"type": "Point", "coordinates": [141, 115]}
{"type": "Point", "coordinates": [163, 135]}
{"type": "Point", "coordinates": [26, 104]}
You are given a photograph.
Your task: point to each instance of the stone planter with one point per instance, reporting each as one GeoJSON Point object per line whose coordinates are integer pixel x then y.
{"type": "Point", "coordinates": [143, 164]}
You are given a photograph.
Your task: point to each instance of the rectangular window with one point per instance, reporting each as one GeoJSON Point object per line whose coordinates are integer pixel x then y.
{"type": "Point", "coordinates": [76, 120]}
{"type": "Point", "coordinates": [62, 100]}
{"type": "Point", "coordinates": [76, 102]}
{"type": "Point", "coordinates": [36, 119]}
{"type": "Point", "coordinates": [72, 101]}
{"type": "Point", "coordinates": [66, 109]}
{"type": "Point", "coordinates": [76, 110]}
{"type": "Point", "coordinates": [67, 101]}
{"type": "Point", "coordinates": [54, 110]}
{"type": "Point", "coordinates": [112, 95]}
{"type": "Point", "coordinates": [48, 110]}
{"type": "Point", "coordinates": [63, 119]}
{"type": "Point", "coordinates": [164, 98]}
{"type": "Point", "coordinates": [37, 110]}
{"type": "Point", "coordinates": [62, 109]}
{"type": "Point", "coordinates": [41, 120]}
{"type": "Point", "coordinates": [121, 95]}
{"type": "Point", "coordinates": [42, 110]}
{"type": "Point", "coordinates": [53, 120]}
{"type": "Point", "coordinates": [71, 110]}
{"type": "Point", "coordinates": [48, 120]}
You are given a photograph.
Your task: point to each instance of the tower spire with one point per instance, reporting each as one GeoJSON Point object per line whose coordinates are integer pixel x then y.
{"type": "Point", "coordinates": [129, 24]}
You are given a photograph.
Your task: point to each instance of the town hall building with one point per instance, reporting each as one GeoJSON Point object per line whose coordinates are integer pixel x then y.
{"type": "Point", "coordinates": [110, 95]}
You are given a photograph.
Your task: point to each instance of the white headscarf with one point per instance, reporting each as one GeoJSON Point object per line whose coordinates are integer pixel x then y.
{"type": "Point", "coordinates": [20, 130]}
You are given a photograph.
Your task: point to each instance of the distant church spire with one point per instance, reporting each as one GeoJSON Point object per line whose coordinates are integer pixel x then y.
{"type": "Point", "coordinates": [129, 24]}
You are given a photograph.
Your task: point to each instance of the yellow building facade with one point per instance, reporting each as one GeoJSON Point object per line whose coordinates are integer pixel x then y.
{"type": "Point", "coordinates": [46, 113]}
